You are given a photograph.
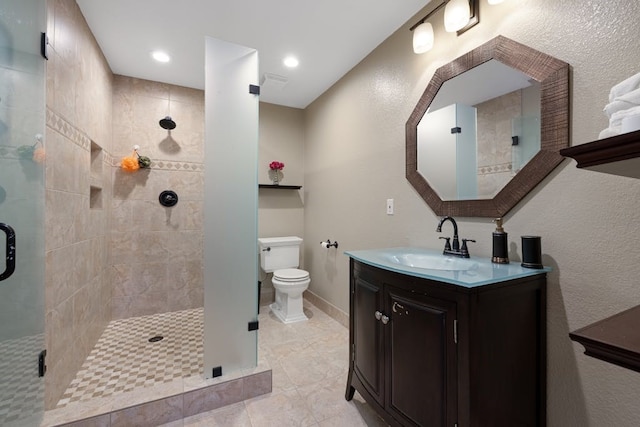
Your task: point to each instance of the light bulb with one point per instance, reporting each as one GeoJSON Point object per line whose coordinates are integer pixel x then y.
{"type": "Point", "coordinates": [495, 1]}
{"type": "Point", "coordinates": [423, 38]}
{"type": "Point", "coordinates": [291, 62]}
{"type": "Point", "coordinates": [160, 56]}
{"type": "Point", "coordinates": [456, 15]}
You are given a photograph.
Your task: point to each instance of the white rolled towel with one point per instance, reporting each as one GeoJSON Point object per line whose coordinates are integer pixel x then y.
{"type": "Point", "coordinates": [618, 116]}
{"type": "Point", "coordinates": [625, 86]}
{"type": "Point", "coordinates": [609, 132]}
{"type": "Point", "coordinates": [623, 102]}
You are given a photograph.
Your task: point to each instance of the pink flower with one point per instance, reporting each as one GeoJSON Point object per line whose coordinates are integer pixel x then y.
{"type": "Point", "coordinates": [276, 165]}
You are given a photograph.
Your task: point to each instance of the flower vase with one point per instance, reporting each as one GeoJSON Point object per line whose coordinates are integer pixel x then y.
{"type": "Point", "coordinates": [275, 176]}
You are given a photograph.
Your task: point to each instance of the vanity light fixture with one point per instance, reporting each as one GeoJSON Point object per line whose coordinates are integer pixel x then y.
{"type": "Point", "coordinates": [423, 38]}
{"type": "Point", "coordinates": [459, 16]}
{"type": "Point", "coordinates": [456, 15]}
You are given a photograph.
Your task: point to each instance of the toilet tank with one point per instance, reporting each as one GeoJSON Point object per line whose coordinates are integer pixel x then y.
{"type": "Point", "coordinates": [279, 252]}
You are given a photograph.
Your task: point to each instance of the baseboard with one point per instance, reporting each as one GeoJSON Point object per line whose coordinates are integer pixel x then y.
{"type": "Point", "coordinates": [330, 309]}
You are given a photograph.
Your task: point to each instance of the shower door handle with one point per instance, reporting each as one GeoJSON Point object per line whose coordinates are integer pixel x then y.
{"type": "Point", "coordinates": [10, 265]}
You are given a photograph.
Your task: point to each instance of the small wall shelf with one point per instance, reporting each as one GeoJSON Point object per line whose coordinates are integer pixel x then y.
{"type": "Point", "coordinates": [280, 187]}
{"type": "Point", "coordinates": [618, 155]}
{"type": "Point", "coordinates": [615, 339]}
{"type": "Point", "coordinates": [96, 176]}
{"type": "Point", "coordinates": [96, 161]}
{"type": "Point", "coordinates": [95, 197]}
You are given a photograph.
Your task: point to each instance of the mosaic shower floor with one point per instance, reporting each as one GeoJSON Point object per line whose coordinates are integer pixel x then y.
{"type": "Point", "coordinates": [124, 359]}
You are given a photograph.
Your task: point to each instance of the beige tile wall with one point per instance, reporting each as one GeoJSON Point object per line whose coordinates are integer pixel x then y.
{"type": "Point", "coordinates": [157, 251]}
{"type": "Point", "coordinates": [494, 142]}
{"type": "Point", "coordinates": [77, 288]}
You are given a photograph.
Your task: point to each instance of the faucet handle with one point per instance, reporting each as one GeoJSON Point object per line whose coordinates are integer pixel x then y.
{"type": "Point", "coordinates": [447, 244]}
{"type": "Point", "coordinates": [464, 250]}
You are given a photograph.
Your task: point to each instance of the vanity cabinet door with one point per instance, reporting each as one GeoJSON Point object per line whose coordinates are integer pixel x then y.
{"type": "Point", "coordinates": [421, 362]}
{"type": "Point", "coordinates": [368, 351]}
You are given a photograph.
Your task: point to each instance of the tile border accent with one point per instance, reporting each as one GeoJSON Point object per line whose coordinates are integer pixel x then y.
{"type": "Point", "coordinates": [498, 168]}
{"type": "Point", "coordinates": [107, 158]}
{"type": "Point", "coordinates": [75, 135]}
{"type": "Point", "coordinates": [168, 165]}
{"type": "Point", "coordinates": [66, 129]}
{"type": "Point", "coordinates": [78, 137]}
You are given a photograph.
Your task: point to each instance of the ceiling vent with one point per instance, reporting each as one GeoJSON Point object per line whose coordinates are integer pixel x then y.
{"type": "Point", "coordinates": [271, 81]}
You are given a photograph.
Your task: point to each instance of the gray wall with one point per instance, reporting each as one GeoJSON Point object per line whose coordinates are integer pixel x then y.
{"type": "Point", "coordinates": [280, 212]}
{"type": "Point", "coordinates": [589, 222]}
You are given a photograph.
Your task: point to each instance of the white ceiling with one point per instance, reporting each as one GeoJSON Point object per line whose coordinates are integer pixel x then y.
{"type": "Point", "coordinates": [329, 37]}
{"type": "Point", "coordinates": [497, 79]}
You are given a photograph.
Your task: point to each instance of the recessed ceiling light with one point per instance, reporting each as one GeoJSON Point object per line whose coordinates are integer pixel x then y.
{"type": "Point", "coordinates": [291, 62]}
{"type": "Point", "coordinates": [160, 56]}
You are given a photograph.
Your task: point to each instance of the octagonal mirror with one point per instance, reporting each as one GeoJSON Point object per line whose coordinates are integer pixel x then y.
{"type": "Point", "coordinates": [488, 129]}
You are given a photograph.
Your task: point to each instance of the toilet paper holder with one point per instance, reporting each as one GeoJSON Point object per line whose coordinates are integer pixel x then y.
{"type": "Point", "coordinates": [328, 244]}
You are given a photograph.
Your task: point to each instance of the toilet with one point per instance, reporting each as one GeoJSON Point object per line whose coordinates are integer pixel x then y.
{"type": "Point", "coordinates": [281, 256]}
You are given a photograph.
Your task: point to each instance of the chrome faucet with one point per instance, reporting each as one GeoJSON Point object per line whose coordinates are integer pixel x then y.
{"type": "Point", "coordinates": [453, 249]}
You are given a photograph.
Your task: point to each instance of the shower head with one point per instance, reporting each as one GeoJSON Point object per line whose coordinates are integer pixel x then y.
{"type": "Point", "coordinates": [167, 123]}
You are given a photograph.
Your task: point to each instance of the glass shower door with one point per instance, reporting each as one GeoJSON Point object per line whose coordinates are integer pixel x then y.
{"type": "Point", "coordinates": [22, 112]}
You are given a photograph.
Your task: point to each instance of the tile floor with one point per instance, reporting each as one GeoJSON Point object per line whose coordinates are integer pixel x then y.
{"type": "Point", "coordinates": [309, 362]}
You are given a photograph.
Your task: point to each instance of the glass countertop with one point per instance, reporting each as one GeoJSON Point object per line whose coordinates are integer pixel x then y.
{"type": "Point", "coordinates": [431, 264]}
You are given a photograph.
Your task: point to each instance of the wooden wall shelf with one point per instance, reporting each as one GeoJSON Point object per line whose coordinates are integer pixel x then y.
{"type": "Point", "coordinates": [618, 155]}
{"type": "Point", "coordinates": [615, 339]}
{"type": "Point", "coordinates": [280, 187]}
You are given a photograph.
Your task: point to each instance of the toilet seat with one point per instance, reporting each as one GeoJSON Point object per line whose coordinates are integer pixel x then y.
{"type": "Point", "coordinates": [290, 275]}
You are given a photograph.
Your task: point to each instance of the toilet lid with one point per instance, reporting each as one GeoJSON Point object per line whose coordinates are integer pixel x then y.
{"type": "Point", "coordinates": [290, 274]}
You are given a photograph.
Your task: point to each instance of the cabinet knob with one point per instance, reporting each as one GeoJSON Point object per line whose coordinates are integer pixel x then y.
{"type": "Point", "coordinates": [385, 319]}
{"type": "Point", "coordinates": [378, 315]}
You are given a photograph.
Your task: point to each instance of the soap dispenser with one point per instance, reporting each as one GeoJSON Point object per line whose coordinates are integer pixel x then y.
{"type": "Point", "coordinates": [500, 244]}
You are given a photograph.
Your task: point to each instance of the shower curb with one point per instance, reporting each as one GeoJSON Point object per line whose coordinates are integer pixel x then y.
{"type": "Point", "coordinates": [169, 408]}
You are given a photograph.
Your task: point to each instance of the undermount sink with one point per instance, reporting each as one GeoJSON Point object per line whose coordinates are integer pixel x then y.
{"type": "Point", "coordinates": [432, 262]}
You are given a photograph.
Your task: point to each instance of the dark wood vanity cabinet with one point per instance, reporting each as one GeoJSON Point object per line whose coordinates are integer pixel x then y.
{"type": "Point", "coordinates": [428, 353]}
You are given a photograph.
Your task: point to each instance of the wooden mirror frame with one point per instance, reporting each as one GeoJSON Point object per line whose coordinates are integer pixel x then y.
{"type": "Point", "coordinates": [553, 76]}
